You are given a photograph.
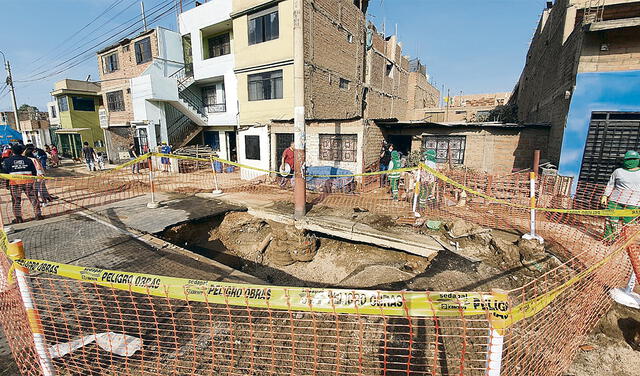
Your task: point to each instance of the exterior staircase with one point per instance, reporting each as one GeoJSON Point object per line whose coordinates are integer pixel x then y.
{"type": "Point", "coordinates": [185, 116]}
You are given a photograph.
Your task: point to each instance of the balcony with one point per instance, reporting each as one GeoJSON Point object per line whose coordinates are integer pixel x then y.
{"type": "Point", "coordinates": [216, 108]}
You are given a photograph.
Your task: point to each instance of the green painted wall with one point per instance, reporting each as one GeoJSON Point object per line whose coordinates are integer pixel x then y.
{"type": "Point", "coordinates": [84, 119]}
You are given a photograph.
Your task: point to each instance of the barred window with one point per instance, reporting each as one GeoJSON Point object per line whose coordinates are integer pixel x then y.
{"type": "Point", "coordinates": [143, 50]}
{"type": "Point", "coordinates": [219, 45]}
{"type": "Point", "coordinates": [442, 145]}
{"type": "Point", "coordinates": [338, 147]}
{"type": "Point", "coordinates": [115, 101]}
{"type": "Point", "coordinates": [266, 85]}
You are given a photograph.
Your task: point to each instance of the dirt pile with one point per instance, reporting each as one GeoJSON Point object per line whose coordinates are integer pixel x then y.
{"type": "Point", "coordinates": [614, 345]}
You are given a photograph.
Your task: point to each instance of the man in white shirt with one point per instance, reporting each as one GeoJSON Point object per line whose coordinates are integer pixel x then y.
{"type": "Point", "coordinates": [623, 191]}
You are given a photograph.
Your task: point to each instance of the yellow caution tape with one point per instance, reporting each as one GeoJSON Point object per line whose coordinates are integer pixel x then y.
{"type": "Point", "coordinates": [597, 212]}
{"type": "Point", "coordinates": [419, 304]}
{"type": "Point", "coordinates": [277, 172]}
{"type": "Point", "coordinates": [534, 306]}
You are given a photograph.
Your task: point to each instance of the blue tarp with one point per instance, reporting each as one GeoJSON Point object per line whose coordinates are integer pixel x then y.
{"type": "Point", "coordinates": [324, 183]}
{"type": "Point", "coordinates": [9, 135]}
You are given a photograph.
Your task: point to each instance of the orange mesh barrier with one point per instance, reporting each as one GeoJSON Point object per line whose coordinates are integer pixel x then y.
{"type": "Point", "coordinates": [188, 327]}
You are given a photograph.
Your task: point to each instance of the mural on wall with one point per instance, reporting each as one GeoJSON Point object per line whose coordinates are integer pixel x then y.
{"type": "Point", "coordinates": [601, 91]}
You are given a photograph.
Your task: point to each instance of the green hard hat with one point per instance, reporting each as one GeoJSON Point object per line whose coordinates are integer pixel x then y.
{"type": "Point", "coordinates": [430, 153]}
{"type": "Point", "coordinates": [631, 154]}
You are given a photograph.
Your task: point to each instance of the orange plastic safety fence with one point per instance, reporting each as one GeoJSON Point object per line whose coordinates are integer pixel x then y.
{"type": "Point", "coordinates": [192, 338]}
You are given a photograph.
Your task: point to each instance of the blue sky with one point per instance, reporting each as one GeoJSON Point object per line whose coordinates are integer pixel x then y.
{"type": "Point", "coordinates": [472, 46]}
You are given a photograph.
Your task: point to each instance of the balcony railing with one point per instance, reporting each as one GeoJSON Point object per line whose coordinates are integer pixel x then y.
{"type": "Point", "coordinates": [214, 108]}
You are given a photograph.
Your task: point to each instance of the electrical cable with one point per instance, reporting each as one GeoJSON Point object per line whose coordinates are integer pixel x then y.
{"type": "Point", "coordinates": [68, 39]}
{"type": "Point", "coordinates": [72, 62]}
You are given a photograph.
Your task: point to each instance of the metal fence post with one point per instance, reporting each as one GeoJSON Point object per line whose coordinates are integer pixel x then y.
{"type": "Point", "coordinates": [16, 251]}
{"type": "Point", "coordinates": [216, 191]}
{"type": "Point", "coordinates": [532, 222]}
{"type": "Point", "coordinates": [153, 204]}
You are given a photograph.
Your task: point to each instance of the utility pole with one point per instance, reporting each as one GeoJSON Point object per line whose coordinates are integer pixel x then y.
{"type": "Point", "coordinates": [448, 102]}
{"type": "Point", "coordinates": [13, 91]}
{"type": "Point", "coordinates": [144, 18]}
{"type": "Point", "coordinates": [299, 126]}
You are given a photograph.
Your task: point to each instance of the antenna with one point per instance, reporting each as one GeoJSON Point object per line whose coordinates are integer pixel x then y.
{"type": "Point", "coordinates": [144, 18]}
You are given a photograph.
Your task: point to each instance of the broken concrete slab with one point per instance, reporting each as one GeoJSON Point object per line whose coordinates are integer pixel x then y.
{"type": "Point", "coordinates": [421, 245]}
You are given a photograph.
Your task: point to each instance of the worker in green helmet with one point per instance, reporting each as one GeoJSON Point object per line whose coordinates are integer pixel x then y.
{"type": "Point", "coordinates": [427, 180]}
{"type": "Point", "coordinates": [623, 191]}
{"type": "Point", "coordinates": [394, 177]}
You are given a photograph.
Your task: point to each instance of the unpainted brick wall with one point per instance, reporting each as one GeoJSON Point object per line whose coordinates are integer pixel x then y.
{"type": "Point", "coordinates": [334, 49]}
{"type": "Point", "coordinates": [421, 94]}
{"type": "Point", "coordinates": [489, 149]}
{"type": "Point", "coordinates": [119, 80]}
{"type": "Point", "coordinates": [387, 95]}
{"type": "Point", "coordinates": [623, 51]}
{"type": "Point", "coordinates": [550, 70]}
{"type": "Point", "coordinates": [118, 140]}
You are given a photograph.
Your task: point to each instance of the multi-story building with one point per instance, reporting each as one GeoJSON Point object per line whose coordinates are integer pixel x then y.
{"type": "Point", "coordinates": [469, 108]}
{"type": "Point", "coordinates": [141, 103]}
{"type": "Point", "coordinates": [77, 104]}
{"type": "Point", "coordinates": [209, 49]}
{"type": "Point", "coordinates": [582, 76]}
{"type": "Point", "coordinates": [34, 126]}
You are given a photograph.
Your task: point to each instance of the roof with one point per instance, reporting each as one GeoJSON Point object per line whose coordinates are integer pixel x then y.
{"type": "Point", "coordinates": [390, 123]}
{"type": "Point", "coordinates": [124, 41]}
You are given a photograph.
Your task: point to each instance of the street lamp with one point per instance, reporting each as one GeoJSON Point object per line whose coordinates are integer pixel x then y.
{"type": "Point", "coordinates": [12, 89]}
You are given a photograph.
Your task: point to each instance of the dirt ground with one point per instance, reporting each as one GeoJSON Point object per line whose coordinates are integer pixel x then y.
{"type": "Point", "coordinates": [271, 251]}
{"type": "Point", "coordinates": [613, 347]}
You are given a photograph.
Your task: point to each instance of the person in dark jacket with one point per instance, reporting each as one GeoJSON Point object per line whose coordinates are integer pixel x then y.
{"type": "Point", "coordinates": [18, 165]}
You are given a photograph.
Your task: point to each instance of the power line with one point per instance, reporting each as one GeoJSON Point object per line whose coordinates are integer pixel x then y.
{"type": "Point", "coordinates": [61, 44]}
{"type": "Point", "coordinates": [90, 51]}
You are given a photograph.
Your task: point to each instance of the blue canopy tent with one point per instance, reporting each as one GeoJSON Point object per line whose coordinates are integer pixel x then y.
{"type": "Point", "coordinates": [9, 135]}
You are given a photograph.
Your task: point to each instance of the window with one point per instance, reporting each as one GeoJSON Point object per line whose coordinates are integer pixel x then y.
{"type": "Point", "coordinates": [442, 145]}
{"type": "Point", "coordinates": [214, 98]}
{"type": "Point", "coordinates": [63, 104]}
{"type": "Point", "coordinates": [143, 50]}
{"type": "Point", "coordinates": [252, 147]}
{"type": "Point", "coordinates": [115, 101]}
{"type": "Point", "coordinates": [83, 104]}
{"type": "Point", "coordinates": [500, 102]}
{"type": "Point", "coordinates": [219, 45]}
{"type": "Point", "coordinates": [338, 147]}
{"type": "Point", "coordinates": [53, 112]}
{"type": "Point", "coordinates": [266, 85]}
{"type": "Point", "coordinates": [483, 115]}
{"type": "Point", "coordinates": [389, 69]}
{"type": "Point", "coordinates": [264, 26]}
{"type": "Point", "coordinates": [344, 84]}
{"type": "Point", "coordinates": [110, 63]}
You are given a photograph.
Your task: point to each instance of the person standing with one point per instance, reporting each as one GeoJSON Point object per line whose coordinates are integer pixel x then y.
{"type": "Point", "coordinates": [622, 191]}
{"type": "Point", "coordinates": [385, 159]}
{"type": "Point", "coordinates": [133, 154]}
{"type": "Point", "coordinates": [40, 186]}
{"type": "Point", "coordinates": [19, 165]}
{"type": "Point", "coordinates": [394, 177]}
{"type": "Point", "coordinates": [55, 159]}
{"type": "Point", "coordinates": [427, 179]}
{"type": "Point", "coordinates": [41, 155]}
{"type": "Point", "coordinates": [165, 161]}
{"type": "Point", "coordinates": [286, 165]}
{"type": "Point", "coordinates": [89, 156]}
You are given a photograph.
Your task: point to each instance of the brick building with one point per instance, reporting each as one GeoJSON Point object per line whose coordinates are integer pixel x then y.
{"type": "Point", "coordinates": [131, 112]}
{"type": "Point", "coordinates": [470, 108]}
{"type": "Point", "coordinates": [582, 76]}
{"type": "Point", "coordinates": [496, 148]}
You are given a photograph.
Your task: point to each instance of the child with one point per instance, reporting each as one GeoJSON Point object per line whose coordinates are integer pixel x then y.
{"type": "Point", "coordinates": [101, 160]}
